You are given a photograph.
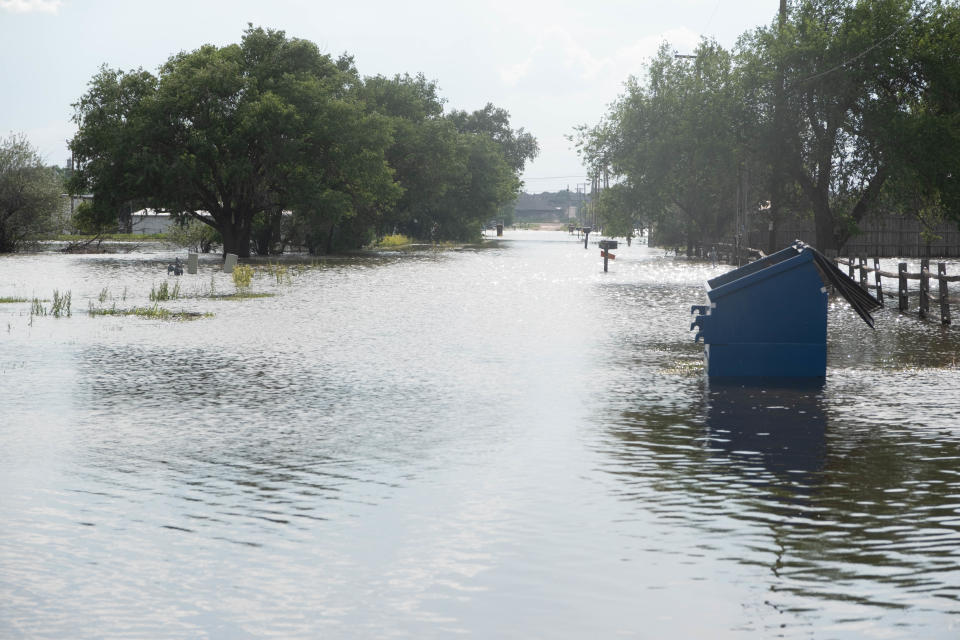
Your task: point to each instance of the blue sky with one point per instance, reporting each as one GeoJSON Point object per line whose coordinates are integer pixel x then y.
{"type": "Point", "coordinates": [551, 64]}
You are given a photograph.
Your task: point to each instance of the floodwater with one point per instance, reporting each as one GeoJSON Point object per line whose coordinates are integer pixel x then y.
{"type": "Point", "coordinates": [495, 443]}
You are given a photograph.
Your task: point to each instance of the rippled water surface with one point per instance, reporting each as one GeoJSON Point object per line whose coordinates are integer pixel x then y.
{"type": "Point", "coordinates": [497, 442]}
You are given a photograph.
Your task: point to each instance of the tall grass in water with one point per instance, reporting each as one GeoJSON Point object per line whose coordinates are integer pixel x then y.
{"type": "Point", "coordinates": [164, 292]}
{"type": "Point", "coordinates": [59, 307]}
{"type": "Point", "coordinates": [156, 312]}
{"type": "Point", "coordinates": [279, 272]}
{"type": "Point", "coordinates": [61, 304]}
{"type": "Point", "coordinates": [242, 276]}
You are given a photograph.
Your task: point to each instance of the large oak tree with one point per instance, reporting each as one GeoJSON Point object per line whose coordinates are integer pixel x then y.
{"type": "Point", "coordinates": [225, 134]}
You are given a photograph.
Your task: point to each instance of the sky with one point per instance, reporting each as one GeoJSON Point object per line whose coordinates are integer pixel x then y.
{"type": "Point", "coordinates": [552, 64]}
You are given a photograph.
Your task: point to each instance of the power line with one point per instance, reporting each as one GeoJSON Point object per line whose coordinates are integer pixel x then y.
{"type": "Point", "coordinates": [862, 53]}
{"type": "Point", "coordinates": [555, 177]}
{"type": "Point", "coordinates": [712, 16]}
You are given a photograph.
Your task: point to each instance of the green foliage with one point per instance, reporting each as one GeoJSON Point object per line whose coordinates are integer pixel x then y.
{"type": "Point", "coordinates": [242, 277]}
{"type": "Point", "coordinates": [29, 194]}
{"type": "Point", "coordinates": [279, 272]}
{"type": "Point", "coordinates": [456, 170]}
{"type": "Point", "coordinates": [61, 304]}
{"type": "Point", "coordinates": [850, 89]}
{"type": "Point", "coordinates": [674, 145]}
{"type": "Point", "coordinates": [156, 312]}
{"type": "Point", "coordinates": [393, 240]}
{"type": "Point", "coordinates": [845, 109]}
{"type": "Point", "coordinates": [235, 131]}
{"type": "Point", "coordinates": [194, 235]}
{"type": "Point", "coordinates": [283, 145]}
{"type": "Point", "coordinates": [94, 220]}
{"type": "Point", "coordinates": [164, 292]}
{"type": "Point", "coordinates": [494, 123]}
{"type": "Point", "coordinates": [12, 299]}
{"type": "Point", "coordinates": [619, 211]}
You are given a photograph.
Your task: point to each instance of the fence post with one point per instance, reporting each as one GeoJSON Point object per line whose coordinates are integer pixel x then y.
{"type": "Point", "coordinates": [902, 275]}
{"type": "Point", "coordinates": [876, 271]}
{"type": "Point", "coordinates": [850, 266]}
{"type": "Point", "coordinates": [924, 287]}
{"type": "Point", "coordinates": [944, 300]}
{"type": "Point", "coordinates": [863, 273]}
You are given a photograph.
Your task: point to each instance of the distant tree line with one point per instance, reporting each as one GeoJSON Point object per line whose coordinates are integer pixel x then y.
{"type": "Point", "coordinates": [29, 193]}
{"type": "Point", "coordinates": [272, 144]}
{"type": "Point", "coordinates": [838, 110]}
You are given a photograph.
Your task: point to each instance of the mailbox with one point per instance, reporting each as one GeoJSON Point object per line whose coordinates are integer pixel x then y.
{"type": "Point", "coordinates": [608, 244]}
{"type": "Point", "coordinates": [769, 318]}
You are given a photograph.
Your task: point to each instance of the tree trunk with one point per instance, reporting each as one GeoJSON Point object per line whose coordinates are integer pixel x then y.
{"type": "Point", "coordinates": [823, 224]}
{"type": "Point", "coordinates": [823, 219]}
{"type": "Point", "coordinates": [329, 248]}
{"type": "Point", "coordinates": [236, 239]}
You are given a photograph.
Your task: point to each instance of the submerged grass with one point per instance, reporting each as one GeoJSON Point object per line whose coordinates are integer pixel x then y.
{"type": "Point", "coordinates": [156, 312]}
{"type": "Point", "coordinates": [241, 295]}
{"type": "Point", "coordinates": [279, 272]}
{"type": "Point", "coordinates": [242, 277]}
{"type": "Point", "coordinates": [164, 292]}
{"type": "Point", "coordinates": [61, 304]}
{"type": "Point", "coordinates": [12, 299]}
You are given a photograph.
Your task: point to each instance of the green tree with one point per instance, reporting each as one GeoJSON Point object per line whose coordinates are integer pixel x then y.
{"type": "Point", "coordinates": [620, 211]}
{"type": "Point", "coordinates": [239, 131]}
{"type": "Point", "coordinates": [422, 153]}
{"type": "Point", "coordinates": [851, 89]}
{"type": "Point", "coordinates": [481, 182]}
{"type": "Point", "coordinates": [925, 151]}
{"type": "Point", "coordinates": [29, 193]}
{"type": "Point", "coordinates": [89, 220]}
{"type": "Point", "coordinates": [674, 143]}
{"type": "Point", "coordinates": [518, 146]}
{"type": "Point", "coordinates": [456, 170]}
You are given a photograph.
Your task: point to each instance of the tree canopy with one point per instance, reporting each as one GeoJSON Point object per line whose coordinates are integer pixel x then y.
{"type": "Point", "coordinates": [29, 193]}
{"type": "Point", "coordinates": [842, 109]}
{"type": "Point", "coordinates": [237, 136]}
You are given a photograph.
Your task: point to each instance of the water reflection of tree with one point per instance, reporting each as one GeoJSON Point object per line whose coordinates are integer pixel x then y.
{"type": "Point", "coordinates": [899, 341]}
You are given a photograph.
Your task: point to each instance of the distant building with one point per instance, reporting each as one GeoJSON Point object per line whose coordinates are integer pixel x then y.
{"type": "Point", "coordinates": [149, 221]}
{"type": "Point", "coordinates": [561, 206]}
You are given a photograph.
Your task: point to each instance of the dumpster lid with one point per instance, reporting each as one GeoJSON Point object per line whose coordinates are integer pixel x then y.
{"type": "Point", "coordinates": [861, 301]}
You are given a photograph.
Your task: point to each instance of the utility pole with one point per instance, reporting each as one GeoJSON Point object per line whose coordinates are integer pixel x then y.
{"type": "Point", "coordinates": [776, 177]}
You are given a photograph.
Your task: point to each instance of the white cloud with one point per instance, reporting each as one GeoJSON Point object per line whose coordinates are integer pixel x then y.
{"type": "Point", "coordinates": [31, 6]}
{"type": "Point", "coordinates": [558, 51]}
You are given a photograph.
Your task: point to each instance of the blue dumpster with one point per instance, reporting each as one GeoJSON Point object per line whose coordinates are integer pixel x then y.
{"type": "Point", "coordinates": [769, 318]}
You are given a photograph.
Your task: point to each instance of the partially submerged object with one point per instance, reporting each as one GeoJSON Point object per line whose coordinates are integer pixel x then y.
{"type": "Point", "coordinates": [769, 317]}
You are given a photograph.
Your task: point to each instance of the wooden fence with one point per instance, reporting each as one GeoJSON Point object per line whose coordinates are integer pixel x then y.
{"type": "Point", "coordinates": [926, 297]}
{"type": "Point", "coordinates": [888, 237]}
